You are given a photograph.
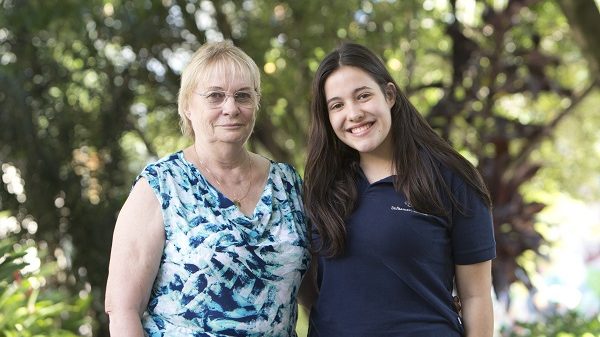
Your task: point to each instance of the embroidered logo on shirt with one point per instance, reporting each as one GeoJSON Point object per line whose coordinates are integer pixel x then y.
{"type": "Point", "coordinates": [407, 208]}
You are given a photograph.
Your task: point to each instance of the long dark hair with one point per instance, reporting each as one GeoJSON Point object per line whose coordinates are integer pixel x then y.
{"type": "Point", "coordinates": [418, 151]}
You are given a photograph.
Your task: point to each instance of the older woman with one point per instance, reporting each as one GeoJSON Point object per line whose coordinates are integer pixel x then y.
{"type": "Point", "coordinates": [212, 240]}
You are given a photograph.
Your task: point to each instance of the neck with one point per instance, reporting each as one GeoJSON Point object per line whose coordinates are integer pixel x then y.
{"type": "Point", "coordinates": [376, 167]}
{"type": "Point", "coordinates": [221, 157]}
{"type": "Point", "coordinates": [232, 175]}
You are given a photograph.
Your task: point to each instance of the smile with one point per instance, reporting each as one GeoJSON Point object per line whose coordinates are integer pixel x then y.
{"type": "Point", "coordinates": [361, 128]}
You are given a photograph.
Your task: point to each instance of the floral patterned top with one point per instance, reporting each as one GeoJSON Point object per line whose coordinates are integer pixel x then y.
{"type": "Point", "coordinates": [223, 273]}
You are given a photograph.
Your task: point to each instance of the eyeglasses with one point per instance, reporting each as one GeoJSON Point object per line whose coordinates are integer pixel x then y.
{"type": "Point", "coordinates": [242, 98]}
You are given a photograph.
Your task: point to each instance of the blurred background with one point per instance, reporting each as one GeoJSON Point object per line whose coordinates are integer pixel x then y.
{"type": "Point", "coordinates": [88, 97]}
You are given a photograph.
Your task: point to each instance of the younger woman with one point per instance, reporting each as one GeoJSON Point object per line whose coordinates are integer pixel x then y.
{"type": "Point", "coordinates": [400, 216]}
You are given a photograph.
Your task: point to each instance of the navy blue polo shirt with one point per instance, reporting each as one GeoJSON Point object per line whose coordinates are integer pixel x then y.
{"type": "Point", "coordinates": [396, 276]}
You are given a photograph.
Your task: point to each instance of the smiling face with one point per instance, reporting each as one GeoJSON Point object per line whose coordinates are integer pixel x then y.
{"type": "Point", "coordinates": [217, 59]}
{"type": "Point", "coordinates": [359, 111]}
{"type": "Point", "coordinates": [230, 121]}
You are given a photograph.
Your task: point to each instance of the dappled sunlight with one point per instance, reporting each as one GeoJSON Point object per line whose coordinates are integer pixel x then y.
{"type": "Point", "coordinates": [11, 177]}
{"type": "Point", "coordinates": [88, 96]}
{"type": "Point", "coordinates": [87, 163]}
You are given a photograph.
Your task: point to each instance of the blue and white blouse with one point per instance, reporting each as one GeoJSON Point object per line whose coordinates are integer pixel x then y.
{"type": "Point", "coordinates": [223, 273]}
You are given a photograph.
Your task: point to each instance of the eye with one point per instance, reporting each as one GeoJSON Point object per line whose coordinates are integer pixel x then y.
{"type": "Point", "coordinates": [243, 96]}
{"type": "Point", "coordinates": [215, 96]}
{"type": "Point", "coordinates": [335, 106]}
{"type": "Point", "coordinates": [363, 96]}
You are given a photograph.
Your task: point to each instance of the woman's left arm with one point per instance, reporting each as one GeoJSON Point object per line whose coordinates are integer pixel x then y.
{"type": "Point", "coordinates": [307, 295]}
{"type": "Point", "coordinates": [474, 285]}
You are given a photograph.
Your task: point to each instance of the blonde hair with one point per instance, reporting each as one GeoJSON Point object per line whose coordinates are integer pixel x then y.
{"type": "Point", "coordinates": [210, 58]}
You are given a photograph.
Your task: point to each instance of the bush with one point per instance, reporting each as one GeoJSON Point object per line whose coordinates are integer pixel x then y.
{"type": "Point", "coordinates": [570, 324]}
{"type": "Point", "coordinates": [28, 306]}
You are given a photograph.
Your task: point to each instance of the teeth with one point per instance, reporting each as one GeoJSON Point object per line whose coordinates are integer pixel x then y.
{"type": "Point", "coordinates": [360, 129]}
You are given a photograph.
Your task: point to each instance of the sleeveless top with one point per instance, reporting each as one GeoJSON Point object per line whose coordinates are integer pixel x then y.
{"type": "Point", "coordinates": [223, 273]}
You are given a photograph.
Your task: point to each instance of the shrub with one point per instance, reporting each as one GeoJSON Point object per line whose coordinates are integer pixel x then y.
{"type": "Point", "coordinates": [569, 324]}
{"type": "Point", "coordinates": [29, 307]}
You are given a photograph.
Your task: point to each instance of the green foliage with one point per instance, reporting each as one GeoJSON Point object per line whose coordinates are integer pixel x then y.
{"type": "Point", "coordinates": [570, 324]}
{"type": "Point", "coordinates": [570, 158]}
{"type": "Point", "coordinates": [29, 306]}
{"type": "Point", "coordinates": [88, 96]}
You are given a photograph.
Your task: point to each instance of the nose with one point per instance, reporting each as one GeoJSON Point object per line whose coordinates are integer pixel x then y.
{"type": "Point", "coordinates": [229, 106]}
{"type": "Point", "coordinates": [355, 114]}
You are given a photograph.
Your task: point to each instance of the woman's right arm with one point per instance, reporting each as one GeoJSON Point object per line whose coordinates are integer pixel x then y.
{"type": "Point", "coordinates": [137, 246]}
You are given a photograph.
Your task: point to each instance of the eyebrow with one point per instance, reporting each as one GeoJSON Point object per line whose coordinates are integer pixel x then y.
{"type": "Point", "coordinates": [217, 88]}
{"type": "Point", "coordinates": [353, 92]}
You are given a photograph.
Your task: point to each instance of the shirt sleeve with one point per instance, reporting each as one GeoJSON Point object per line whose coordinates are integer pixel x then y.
{"type": "Point", "coordinates": [150, 173]}
{"type": "Point", "coordinates": [472, 226]}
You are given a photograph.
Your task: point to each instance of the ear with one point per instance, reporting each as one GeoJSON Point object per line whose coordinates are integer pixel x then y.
{"type": "Point", "coordinates": [390, 94]}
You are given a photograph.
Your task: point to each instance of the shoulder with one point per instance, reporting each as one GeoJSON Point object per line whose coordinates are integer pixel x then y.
{"type": "Point", "coordinates": [458, 192]}
{"type": "Point", "coordinates": [285, 167]}
{"type": "Point", "coordinates": [285, 170]}
{"type": "Point", "coordinates": [154, 168]}
{"type": "Point", "coordinates": [286, 177]}
{"type": "Point", "coordinates": [450, 170]}
{"type": "Point", "coordinates": [164, 162]}
{"type": "Point", "coordinates": [451, 178]}
{"type": "Point", "coordinates": [142, 194]}
{"type": "Point", "coordinates": [168, 168]}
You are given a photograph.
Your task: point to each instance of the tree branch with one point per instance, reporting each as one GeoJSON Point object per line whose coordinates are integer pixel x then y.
{"type": "Point", "coordinates": [535, 140]}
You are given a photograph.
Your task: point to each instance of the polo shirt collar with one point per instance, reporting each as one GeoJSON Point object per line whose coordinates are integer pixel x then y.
{"type": "Point", "coordinates": [362, 183]}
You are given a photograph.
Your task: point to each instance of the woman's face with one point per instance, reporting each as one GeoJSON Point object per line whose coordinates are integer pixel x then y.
{"type": "Point", "coordinates": [223, 107]}
{"type": "Point", "coordinates": [359, 112]}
